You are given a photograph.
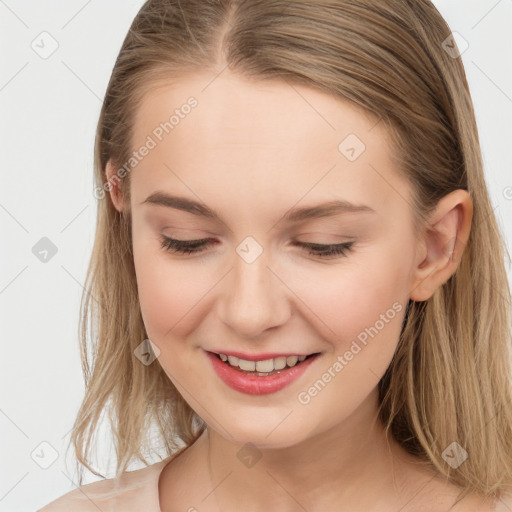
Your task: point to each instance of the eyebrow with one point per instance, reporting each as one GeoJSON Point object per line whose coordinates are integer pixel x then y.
{"type": "Point", "coordinates": [326, 209]}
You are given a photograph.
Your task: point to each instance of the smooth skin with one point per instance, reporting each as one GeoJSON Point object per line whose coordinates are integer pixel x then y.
{"type": "Point", "coordinates": [252, 151]}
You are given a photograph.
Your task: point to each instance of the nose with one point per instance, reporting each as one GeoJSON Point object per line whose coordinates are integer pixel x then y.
{"type": "Point", "coordinates": [254, 299]}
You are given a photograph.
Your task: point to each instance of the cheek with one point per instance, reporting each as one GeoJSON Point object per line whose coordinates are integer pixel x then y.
{"type": "Point", "coordinates": [363, 307]}
{"type": "Point", "coordinates": [169, 292]}
{"type": "Point", "coordinates": [363, 300]}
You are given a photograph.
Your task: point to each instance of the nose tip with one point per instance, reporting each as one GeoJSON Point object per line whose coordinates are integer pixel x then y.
{"type": "Point", "coordinates": [253, 299]}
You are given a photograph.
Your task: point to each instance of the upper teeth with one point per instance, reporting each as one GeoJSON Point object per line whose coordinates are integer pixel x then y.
{"type": "Point", "coordinates": [267, 365]}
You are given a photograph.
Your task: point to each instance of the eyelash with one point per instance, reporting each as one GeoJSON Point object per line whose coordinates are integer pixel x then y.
{"type": "Point", "coordinates": [197, 246]}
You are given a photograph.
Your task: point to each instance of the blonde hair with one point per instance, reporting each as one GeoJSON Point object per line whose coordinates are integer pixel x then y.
{"type": "Point", "coordinates": [450, 378]}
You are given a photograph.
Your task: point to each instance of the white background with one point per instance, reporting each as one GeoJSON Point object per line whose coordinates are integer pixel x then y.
{"type": "Point", "coordinates": [49, 110]}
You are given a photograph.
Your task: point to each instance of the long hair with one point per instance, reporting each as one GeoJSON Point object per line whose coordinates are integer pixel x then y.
{"type": "Point", "coordinates": [450, 378]}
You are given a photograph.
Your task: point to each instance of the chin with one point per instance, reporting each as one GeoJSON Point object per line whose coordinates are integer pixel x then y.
{"type": "Point", "coordinates": [281, 429]}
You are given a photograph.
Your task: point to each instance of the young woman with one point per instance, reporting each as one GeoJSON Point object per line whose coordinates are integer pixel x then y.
{"type": "Point", "coordinates": [297, 290]}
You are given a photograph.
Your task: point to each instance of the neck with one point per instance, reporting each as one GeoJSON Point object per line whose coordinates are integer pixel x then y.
{"type": "Point", "coordinates": [346, 466]}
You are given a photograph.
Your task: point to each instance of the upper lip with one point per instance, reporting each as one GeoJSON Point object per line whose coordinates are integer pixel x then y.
{"type": "Point", "coordinates": [261, 356]}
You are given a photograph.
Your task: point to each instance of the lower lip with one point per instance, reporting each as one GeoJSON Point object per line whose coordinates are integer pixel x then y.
{"type": "Point", "coordinates": [254, 384]}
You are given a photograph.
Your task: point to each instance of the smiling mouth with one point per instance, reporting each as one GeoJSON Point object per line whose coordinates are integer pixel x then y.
{"type": "Point", "coordinates": [264, 367]}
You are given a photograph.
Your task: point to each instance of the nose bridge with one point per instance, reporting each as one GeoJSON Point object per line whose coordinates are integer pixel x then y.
{"type": "Point", "coordinates": [253, 298]}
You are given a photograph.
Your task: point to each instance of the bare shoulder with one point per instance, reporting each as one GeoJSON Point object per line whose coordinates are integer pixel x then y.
{"type": "Point", "coordinates": [424, 489]}
{"type": "Point", "coordinates": [475, 503]}
{"type": "Point", "coordinates": [82, 499]}
{"type": "Point", "coordinates": [134, 490]}
{"type": "Point", "coordinates": [442, 496]}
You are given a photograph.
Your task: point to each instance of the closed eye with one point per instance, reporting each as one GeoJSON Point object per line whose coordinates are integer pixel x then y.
{"type": "Point", "coordinates": [196, 246]}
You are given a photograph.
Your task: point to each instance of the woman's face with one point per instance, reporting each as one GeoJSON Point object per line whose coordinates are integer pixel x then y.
{"type": "Point", "coordinates": [260, 159]}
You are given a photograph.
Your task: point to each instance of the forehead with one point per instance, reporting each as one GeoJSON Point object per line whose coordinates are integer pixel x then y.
{"type": "Point", "coordinates": [270, 137]}
{"type": "Point", "coordinates": [250, 111]}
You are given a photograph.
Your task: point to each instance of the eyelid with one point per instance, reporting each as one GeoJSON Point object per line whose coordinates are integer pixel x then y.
{"type": "Point", "coordinates": [197, 246]}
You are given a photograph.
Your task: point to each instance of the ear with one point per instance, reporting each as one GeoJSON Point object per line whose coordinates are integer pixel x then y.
{"type": "Point", "coordinates": [442, 244]}
{"type": "Point", "coordinates": [112, 186]}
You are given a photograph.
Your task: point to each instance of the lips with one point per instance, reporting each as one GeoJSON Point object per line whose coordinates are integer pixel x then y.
{"type": "Point", "coordinates": [251, 374]}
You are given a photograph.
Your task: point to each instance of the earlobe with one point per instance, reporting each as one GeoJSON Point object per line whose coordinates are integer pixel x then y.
{"type": "Point", "coordinates": [112, 185]}
{"type": "Point", "coordinates": [444, 240]}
